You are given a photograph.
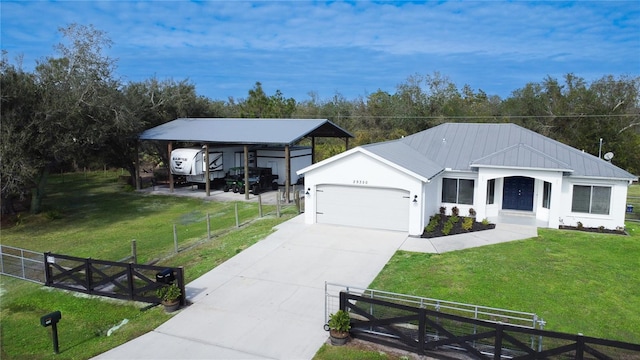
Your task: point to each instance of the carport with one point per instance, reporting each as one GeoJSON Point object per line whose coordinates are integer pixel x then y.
{"type": "Point", "coordinates": [245, 132]}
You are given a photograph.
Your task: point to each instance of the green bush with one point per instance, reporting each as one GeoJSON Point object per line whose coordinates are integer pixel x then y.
{"type": "Point", "coordinates": [485, 221]}
{"type": "Point", "coordinates": [448, 226]}
{"type": "Point", "coordinates": [433, 223]}
{"type": "Point", "coordinates": [454, 219]}
{"type": "Point", "coordinates": [467, 224]}
{"type": "Point", "coordinates": [340, 321]}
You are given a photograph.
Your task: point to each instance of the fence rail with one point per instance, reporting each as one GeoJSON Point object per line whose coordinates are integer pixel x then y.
{"type": "Point", "coordinates": [22, 264]}
{"type": "Point", "coordinates": [513, 317]}
{"type": "Point", "coordinates": [425, 331]}
{"type": "Point", "coordinates": [127, 281]}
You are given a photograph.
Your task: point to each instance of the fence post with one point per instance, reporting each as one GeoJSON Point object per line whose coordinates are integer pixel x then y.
{"type": "Point", "coordinates": [183, 291]}
{"type": "Point", "coordinates": [422, 329]}
{"type": "Point", "coordinates": [343, 301]}
{"type": "Point", "coordinates": [237, 216]}
{"type": "Point", "coordinates": [497, 350]}
{"type": "Point", "coordinates": [579, 347]}
{"type": "Point", "coordinates": [175, 238]}
{"type": "Point", "coordinates": [130, 279]}
{"type": "Point", "coordinates": [87, 274]}
{"type": "Point", "coordinates": [134, 251]}
{"type": "Point", "coordinates": [260, 205]}
{"type": "Point", "coordinates": [208, 226]}
{"type": "Point", "coordinates": [47, 270]}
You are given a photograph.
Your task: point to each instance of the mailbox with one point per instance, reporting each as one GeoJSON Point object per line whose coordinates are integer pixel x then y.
{"type": "Point", "coordinates": [51, 318]}
{"type": "Point", "coordinates": [165, 276]}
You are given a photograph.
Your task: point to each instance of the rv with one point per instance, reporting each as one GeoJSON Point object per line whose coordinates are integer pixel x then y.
{"type": "Point", "coordinates": [189, 162]}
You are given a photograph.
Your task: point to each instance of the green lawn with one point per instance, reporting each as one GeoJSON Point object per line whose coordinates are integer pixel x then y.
{"type": "Point", "coordinates": [578, 282]}
{"type": "Point", "coordinates": [94, 216]}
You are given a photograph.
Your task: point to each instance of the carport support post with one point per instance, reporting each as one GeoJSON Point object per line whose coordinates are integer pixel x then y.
{"type": "Point", "coordinates": [206, 161]}
{"type": "Point", "coordinates": [313, 149]}
{"type": "Point", "coordinates": [137, 180]}
{"type": "Point", "coordinates": [246, 172]}
{"type": "Point", "coordinates": [169, 149]}
{"type": "Point", "coordinates": [287, 164]}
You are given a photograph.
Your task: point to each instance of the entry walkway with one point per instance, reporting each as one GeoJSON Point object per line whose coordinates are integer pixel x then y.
{"type": "Point", "coordinates": [267, 302]}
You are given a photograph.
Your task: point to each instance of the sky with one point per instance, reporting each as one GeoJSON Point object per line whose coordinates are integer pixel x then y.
{"type": "Point", "coordinates": [350, 49]}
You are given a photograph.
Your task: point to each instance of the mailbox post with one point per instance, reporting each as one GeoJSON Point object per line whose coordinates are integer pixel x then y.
{"type": "Point", "coordinates": [52, 320]}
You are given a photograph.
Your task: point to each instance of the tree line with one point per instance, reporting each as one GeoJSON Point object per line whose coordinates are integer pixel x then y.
{"type": "Point", "coordinates": [73, 111]}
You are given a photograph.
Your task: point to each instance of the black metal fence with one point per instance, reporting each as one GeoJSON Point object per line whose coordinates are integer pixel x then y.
{"type": "Point", "coordinates": [118, 280]}
{"type": "Point", "coordinates": [425, 331]}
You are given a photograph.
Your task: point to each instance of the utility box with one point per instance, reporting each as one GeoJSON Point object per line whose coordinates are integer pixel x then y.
{"type": "Point", "coordinates": [166, 276]}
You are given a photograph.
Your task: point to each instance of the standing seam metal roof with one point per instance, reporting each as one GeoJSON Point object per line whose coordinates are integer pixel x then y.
{"type": "Point", "coordinates": [462, 146]}
{"type": "Point", "coordinates": [243, 131]}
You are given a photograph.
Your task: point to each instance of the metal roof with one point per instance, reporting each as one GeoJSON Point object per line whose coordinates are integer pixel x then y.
{"type": "Point", "coordinates": [461, 146]}
{"type": "Point", "coordinates": [244, 131]}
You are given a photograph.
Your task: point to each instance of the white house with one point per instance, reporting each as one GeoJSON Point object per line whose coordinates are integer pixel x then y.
{"type": "Point", "coordinates": [497, 169]}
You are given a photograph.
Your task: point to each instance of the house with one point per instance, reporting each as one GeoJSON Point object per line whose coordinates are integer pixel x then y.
{"type": "Point", "coordinates": [498, 170]}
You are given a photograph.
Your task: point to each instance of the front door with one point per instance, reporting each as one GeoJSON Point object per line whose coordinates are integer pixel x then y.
{"type": "Point", "coordinates": [518, 193]}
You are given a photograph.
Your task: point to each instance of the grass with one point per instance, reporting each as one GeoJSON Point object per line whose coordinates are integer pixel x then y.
{"type": "Point", "coordinates": [578, 282]}
{"type": "Point", "coordinates": [92, 216]}
{"type": "Point", "coordinates": [328, 352]}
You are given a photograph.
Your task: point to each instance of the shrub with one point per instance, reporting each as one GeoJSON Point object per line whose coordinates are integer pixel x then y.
{"type": "Point", "coordinates": [580, 226]}
{"type": "Point", "coordinates": [446, 229]}
{"type": "Point", "coordinates": [467, 224]}
{"type": "Point", "coordinates": [485, 221]}
{"type": "Point", "coordinates": [340, 321]}
{"type": "Point", "coordinates": [454, 219]}
{"type": "Point", "coordinates": [443, 210]}
{"type": "Point", "coordinates": [472, 213]}
{"type": "Point", "coordinates": [433, 223]}
{"type": "Point", "coordinates": [455, 211]}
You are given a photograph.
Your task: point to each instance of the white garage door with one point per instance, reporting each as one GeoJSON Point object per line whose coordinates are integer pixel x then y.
{"type": "Point", "coordinates": [369, 207]}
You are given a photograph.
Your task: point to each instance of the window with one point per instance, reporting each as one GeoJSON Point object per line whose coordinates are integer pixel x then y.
{"type": "Point", "coordinates": [491, 191]}
{"type": "Point", "coordinates": [591, 199]}
{"type": "Point", "coordinates": [546, 195]}
{"type": "Point", "coordinates": [457, 191]}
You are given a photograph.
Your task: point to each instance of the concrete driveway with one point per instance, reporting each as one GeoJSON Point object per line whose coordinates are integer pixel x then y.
{"type": "Point", "coordinates": [268, 301]}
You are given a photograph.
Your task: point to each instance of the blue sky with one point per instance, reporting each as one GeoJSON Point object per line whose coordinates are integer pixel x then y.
{"type": "Point", "coordinates": [329, 48]}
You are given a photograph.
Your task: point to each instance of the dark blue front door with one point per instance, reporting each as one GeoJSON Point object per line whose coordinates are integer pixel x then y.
{"type": "Point", "coordinates": [518, 193]}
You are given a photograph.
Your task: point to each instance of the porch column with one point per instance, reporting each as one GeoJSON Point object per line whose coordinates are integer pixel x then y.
{"type": "Point", "coordinates": [555, 203]}
{"type": "Point", "coordinates": [480, 197]}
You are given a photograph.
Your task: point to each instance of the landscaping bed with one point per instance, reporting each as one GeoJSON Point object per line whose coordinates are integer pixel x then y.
{"type": "Point", "coordinates": [444, 225]}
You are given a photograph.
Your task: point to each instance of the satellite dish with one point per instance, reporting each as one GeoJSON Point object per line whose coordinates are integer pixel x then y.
{"type": "Point", "coordinates": [608, 156]}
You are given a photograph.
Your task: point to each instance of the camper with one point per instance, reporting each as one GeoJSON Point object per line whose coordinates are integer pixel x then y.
{"type": "Point", "coordinates": [189, 162]}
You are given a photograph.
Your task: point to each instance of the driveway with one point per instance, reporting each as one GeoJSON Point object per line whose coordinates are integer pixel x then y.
{"type": "Point", "coordinates": [268, 301]}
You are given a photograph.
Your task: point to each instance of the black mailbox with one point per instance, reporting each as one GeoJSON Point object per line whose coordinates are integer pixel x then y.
{"type": "Point", "coordinates": [165, 276]}
{"type": "Point", "coordinates": [51, 319]}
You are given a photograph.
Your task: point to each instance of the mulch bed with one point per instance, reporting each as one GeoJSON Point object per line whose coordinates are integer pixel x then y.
{"type": "Point", "coordinates": [594, 230]}
{"type": "Point", "coordinates": [457, 227]}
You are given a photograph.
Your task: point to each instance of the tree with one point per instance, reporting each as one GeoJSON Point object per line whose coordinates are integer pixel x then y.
{"type": "Point", "coordinates": [19, 104]}
{"type": "Point", "coordinates": [259, 105]}
{"type": "Point", "coordinates": [74, 111]}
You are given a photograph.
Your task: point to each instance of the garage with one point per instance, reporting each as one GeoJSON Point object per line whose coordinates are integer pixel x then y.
{"type": "Point", "coordinates": [379, 208]}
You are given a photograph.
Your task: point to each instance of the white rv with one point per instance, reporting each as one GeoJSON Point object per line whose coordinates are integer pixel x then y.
{"type": "Point", "coordinates": [189, 162]}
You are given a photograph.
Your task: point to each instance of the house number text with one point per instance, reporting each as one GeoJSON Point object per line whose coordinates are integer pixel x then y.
{"type": "Point", "coordinates": [360, 182]}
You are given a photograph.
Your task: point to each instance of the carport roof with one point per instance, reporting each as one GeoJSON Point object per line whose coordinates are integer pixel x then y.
{"type": "Point", "coordinates": [244, 131]}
